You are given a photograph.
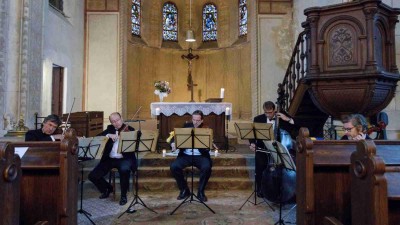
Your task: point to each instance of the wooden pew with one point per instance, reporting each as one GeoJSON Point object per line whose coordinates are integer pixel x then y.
{"type": "Point", "coordinates": [49, 181]}
{"type": "Point", "coordinates": [323, 177]}
{"type": "Point", "coordinates": [10, 184]}
{"type": "Point", "coordinates": [375, 187]}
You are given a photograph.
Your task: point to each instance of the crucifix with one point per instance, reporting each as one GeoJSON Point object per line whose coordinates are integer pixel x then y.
{"type": "Point", "coordinates": [189, 57]}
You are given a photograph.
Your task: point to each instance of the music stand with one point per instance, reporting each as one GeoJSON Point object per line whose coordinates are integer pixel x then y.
{"type": "Point", "coordinates": [282, 160]}
{"type": "Point", "coordinates": [193, 138]}
{"type": "Point", "coordinates": [87, 150]}
{"type": "Point", "coordinates": [255, 131]}
{"type": "Point", "coordinates": [136, 141]}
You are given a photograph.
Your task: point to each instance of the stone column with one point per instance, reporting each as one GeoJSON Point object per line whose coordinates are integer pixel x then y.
{"type": "Point", "coordinates": [13, 18]}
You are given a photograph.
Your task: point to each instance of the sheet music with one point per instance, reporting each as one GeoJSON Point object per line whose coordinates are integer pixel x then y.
{"type": "Point", "coordinates": [20, 151]}
{"type": "Point", "coordinates": [202, 138]}
{"type": "Point", "coordinates": [92, 147]}
{"type": "Point", "coordinates": [128, 140]}
{"type": "Point", "coordinates": [280, 155]}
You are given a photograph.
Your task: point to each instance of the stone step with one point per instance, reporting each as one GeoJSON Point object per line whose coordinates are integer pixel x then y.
{"type": "Point", "coordinates": [164, 172]}
{"type": "Point", "coordinates": [169, 184]}
{"type": "Point", "coordinates": [154, 160]}
{"type": "Point", "coordinates": [165, 184]}
{"type": "Point", "coordinates": [229, 171]}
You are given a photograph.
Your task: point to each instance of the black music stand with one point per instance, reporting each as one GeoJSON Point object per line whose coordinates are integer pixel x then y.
{"type": "Point", "coordinates": [282, 160]}
{"type": "Point", "coordinates": [86, 152]}
{"type": "Point", "coordinates": [255, 131]}
{"type": "Point", "coordinates": [136, 141]}
{"type": "Point", "coordinates": [194, 138]}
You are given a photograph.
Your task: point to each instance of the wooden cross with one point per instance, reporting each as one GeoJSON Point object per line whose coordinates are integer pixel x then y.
{"type": "Point", "coordinates": [189, 57]}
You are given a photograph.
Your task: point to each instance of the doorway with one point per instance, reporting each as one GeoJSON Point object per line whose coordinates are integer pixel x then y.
{"type": "Point", "coordinates": [57, 90]}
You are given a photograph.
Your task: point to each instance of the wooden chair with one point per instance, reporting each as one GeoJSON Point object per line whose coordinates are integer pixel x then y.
{"type": "Point", "coordinates": [111, 180]}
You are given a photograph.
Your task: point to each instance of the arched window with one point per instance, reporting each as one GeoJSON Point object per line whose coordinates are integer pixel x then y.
{"type": "Point", "coordinates": [170, 22]}
{"type": "Point", "coordinates": [242, 17]}
{"type": "Point", "coordinates": [210, 18]}
{"type": "Point", "coordinates": [135, 17]}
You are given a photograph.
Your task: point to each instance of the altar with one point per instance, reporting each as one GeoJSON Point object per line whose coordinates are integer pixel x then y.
{"type": "Point", "coordinates": [172, 115]}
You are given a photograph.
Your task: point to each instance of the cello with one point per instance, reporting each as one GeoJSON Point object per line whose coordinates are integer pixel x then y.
{"type": "Point", "coordinates": [278, 183]}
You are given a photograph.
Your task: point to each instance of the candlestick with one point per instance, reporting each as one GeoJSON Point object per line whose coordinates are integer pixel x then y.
{"type": "Point", "coordinates": [216, 153]}
{"type": "Point", "coordinates": [222, 93]}
{"type": "Point", "coordinates": [157, 111]}
{"type": "Point", "coordinates": [164, 152]}
{"type": "Point", "coordinates": [227, 111]}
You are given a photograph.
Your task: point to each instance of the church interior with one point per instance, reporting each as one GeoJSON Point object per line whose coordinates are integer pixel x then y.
{"type": "Point", "coordinates": [157, 62]}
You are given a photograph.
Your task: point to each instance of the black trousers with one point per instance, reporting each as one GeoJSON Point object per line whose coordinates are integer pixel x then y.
{"type": "Point", "coordinates": [262, 161]}
{"type": "Point", "coordinates": [200, 162]}
{"type": "Point", "coordinates": [124, 166]}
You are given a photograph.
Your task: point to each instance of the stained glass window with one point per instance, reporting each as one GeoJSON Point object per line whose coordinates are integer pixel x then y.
{"type": "Point", "coordinates": [242, 17]}
{"type": "Point", "coordinates": [135, 17]}
{"type": "Point", "coordinates": [170, 22]}
{"type": "Point", "coordinates": [210, 22]}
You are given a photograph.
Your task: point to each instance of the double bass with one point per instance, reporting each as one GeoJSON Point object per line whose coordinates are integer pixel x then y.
{"type": "Point", "coordinates": [278, 183]}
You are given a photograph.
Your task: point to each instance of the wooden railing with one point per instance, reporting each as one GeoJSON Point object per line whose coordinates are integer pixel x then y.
{"type": "Point", "coordinates": [296, 70]}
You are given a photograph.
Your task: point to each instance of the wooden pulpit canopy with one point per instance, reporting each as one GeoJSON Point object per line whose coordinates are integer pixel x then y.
{"type": "Point", "coordinates": [352, 58]}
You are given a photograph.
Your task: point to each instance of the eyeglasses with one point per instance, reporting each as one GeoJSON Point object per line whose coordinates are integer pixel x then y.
{"type": "Point", "coordinates": [269, 112]}
{"type": "Point", "coordinates": [347, 129]}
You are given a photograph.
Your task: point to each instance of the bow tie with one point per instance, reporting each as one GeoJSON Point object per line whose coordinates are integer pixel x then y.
{"type": "Point", "coordinates": [273, 118]}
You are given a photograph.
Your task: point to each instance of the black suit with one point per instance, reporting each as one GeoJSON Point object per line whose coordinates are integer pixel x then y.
{"type": "Point", "coordinates": [124, 165]}
{"type": "Point", "coordinates": [37, 135]}
{"type": "Point", "coordinates": [263, 159]}
{"type": "Point", "coordinates": [202, 162]}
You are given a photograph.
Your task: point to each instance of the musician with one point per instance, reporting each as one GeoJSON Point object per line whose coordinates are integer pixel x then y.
{"type": "Point", "coordinates": [286, 124]}
{"type": "Point", "coordinates": [355, 127]}
{"type": "Point", "coordinates": [124, 162]}
{"type": "Point", "coordinates": [201, 160]}
{"type": "Point", "coordinates": [46, 133]}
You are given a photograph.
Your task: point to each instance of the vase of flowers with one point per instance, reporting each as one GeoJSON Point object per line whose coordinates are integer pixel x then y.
{"type": "Point", "coordinates": [162, 89]}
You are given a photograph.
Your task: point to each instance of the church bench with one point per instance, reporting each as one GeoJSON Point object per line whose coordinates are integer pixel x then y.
{"type": "Point", "coordinates": [375, 187]}
{"type": "Point", "coordinates": [323, 177]}
{"type": "Point", "coordinates": [10, 183]}
{"type": "Point", "coordinates": [49, 181]}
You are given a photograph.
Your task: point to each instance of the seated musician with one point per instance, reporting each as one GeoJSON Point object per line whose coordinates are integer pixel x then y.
{"type": "Point", "coordinates": [124, 162]}
{"type": "Point", "coordinates": [355, 127]}
{"type": "Point", "coordinates": [46, 133]}
{"type": "Point", "coordinates": [201, 160]}
{"type": "Point", "coordinates": [286, 124]}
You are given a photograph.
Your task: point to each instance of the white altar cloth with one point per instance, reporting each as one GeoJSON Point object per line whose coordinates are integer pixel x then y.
{"type": "Point", "coordinates": [181, 108]}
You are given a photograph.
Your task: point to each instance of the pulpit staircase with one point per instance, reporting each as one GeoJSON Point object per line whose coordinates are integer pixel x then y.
{"type": "Point", "coordinates": [343, 62]}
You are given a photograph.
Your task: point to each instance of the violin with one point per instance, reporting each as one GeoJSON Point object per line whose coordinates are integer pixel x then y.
{"type": "Point", "coordinates": [379, 128]}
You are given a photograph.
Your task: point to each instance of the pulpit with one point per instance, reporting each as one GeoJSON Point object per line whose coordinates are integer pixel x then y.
{"type": "Point", "coordinates": [172, 115]}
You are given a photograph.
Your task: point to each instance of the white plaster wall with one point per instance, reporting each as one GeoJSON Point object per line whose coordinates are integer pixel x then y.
{"type": "Point", "coordinates": [300, 5]}
{"type": "Point", "coordinates": [102, 92]}
{"type": "Point", "coordinates": [270, 72]}
{"type": "Point", "coordinates": [64, 46]}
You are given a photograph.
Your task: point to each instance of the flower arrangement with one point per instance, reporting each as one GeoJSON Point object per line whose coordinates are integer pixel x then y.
{"type": "Point", "coordinates": [162, 87]}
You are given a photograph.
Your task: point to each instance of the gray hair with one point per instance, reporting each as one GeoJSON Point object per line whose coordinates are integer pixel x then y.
{"type": "Point", "coordinates": [359, 120]}
{"type": "Point", "coordinates": [53, 118]}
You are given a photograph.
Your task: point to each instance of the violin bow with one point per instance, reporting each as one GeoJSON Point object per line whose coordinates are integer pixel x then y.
{"type": "Point", "coordinates": [69, 114]}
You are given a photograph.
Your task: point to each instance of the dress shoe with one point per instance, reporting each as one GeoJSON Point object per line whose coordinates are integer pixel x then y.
{"type": "Point", "coordinates": [123, 200]}
{"type": "Point", "coordinates": [202, 197]}
{"type": "Point", "coordinates": [106, 193]}
{"type": "Point", "coordinates": [183, 194]}
{"type": "Point", "coordinates": [260, 195]}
